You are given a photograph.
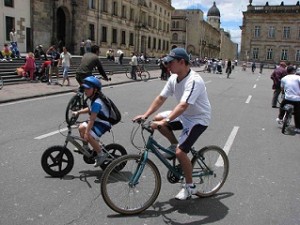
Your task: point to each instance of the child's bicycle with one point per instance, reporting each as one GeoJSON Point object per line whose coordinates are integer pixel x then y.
{"type": "Point", "coordinates": [140, 180]}
{"type": "Point", "coordinates": [287, 118]}
{"type": "Point", "coordinates": [58, 160]}
{"type": "Point", "coordinates": [141, 73]}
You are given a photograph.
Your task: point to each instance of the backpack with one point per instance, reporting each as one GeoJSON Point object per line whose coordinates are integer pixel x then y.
{"type": "Point", "coordinates": [114, 113]}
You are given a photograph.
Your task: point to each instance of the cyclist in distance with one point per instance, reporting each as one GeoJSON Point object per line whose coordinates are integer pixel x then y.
{"type": "Point", "coordinates": [89, 61]}
{"type": "Point", "coordinates": [191, 114]}
{"type": "Point", "coordinates": [94, 128]}
{"type": "Point", "coordinates": [290, 84]}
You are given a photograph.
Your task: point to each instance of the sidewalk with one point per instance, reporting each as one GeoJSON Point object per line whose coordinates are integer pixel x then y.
{"type": "Point", "coordinates": [15, 92]}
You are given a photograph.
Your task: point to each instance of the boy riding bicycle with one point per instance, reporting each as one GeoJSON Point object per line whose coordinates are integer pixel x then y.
{"type": "Point", "coordinates": [95, 127]}
{"type": "Point", "coordinates": [192, 113]}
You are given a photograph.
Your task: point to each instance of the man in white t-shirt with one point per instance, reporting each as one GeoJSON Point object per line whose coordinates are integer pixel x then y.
{"type": "Point", "coordinates": [192, 113]}
{"type": "Point", "coordinates": [291, 87]}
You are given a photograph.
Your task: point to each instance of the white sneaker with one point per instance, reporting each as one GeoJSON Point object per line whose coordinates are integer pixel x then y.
{"type": "Point", "coordinates": [279, 121]}
{"type": "Point", "coordinates": [297, 130]}
{"type": "Point", "coordinates": [100, 159]}
{"type": "Point", "coordinates": [186, 192]}
{"type": "Point", "coordinates": [171, 148]}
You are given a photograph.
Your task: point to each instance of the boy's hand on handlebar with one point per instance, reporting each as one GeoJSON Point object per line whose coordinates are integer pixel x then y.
{"type": "Point", "coordinates": [75, 113]}
{"type": "Point", "coordinates": [157, 124]}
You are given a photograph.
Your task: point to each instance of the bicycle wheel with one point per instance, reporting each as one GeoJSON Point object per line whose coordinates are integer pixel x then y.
{"type": "Point", "coordinates": [1, 82]}
{"type": "Point", "coordinates": [210, 170]}
{"type": "Point", "coordinates": [57, 161]}
{"type": "Point", "coordinates": [127, 72]}
{"type": "Point", "coordinates": [73, 105]}
{"type": "Point", "coordinates": [286, 121]}
{"type": "Point", "coordinates": [118, 191]}
{"type": "Point", "coordinates": [145, 75]}
{"type": "Point", "coordinates": [114, 151]}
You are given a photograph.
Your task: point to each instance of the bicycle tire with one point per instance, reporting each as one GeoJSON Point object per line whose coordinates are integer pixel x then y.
{"type": "Point", "coordinates": [286, 121]}
{"type": "Point", "coordinates": [128, 199]}
{"type": "Point", "coordinates": [115, 151]}
{"type": "Point", "coordinates": [145, 75]}
{"type": "Point", "coordinates": [214, 163]}
{"type": "Point", "coordinates": [127, 72]}
{"type": "Point", "coordinates": [57, 161]}
{"type": "Point", "coordinates": [1, 82]}
{"type": "Point", "coordinates": [73, 105]}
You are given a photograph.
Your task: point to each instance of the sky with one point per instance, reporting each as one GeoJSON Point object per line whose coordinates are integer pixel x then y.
{"type": "Point", "coordinates": [231, 11]}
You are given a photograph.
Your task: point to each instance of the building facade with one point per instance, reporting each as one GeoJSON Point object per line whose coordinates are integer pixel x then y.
{"type": "Point", "coordinates": [271, 33]}
{"type": "Point", "coordinates": [202, 38]}
{"type": "Point", "coordinates": [16, 14]}
{"type": "Point", "coordinates": [130, 25]}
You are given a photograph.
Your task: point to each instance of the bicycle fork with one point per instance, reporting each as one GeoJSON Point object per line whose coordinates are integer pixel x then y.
{"type": "Point", "coordinates": [134, 180]}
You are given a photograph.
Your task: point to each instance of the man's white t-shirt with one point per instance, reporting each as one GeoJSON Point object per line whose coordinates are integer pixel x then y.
{"type": "Point", "coordinates": [291, 85]}
{"type": "Point", "coordinates": [193, 91]}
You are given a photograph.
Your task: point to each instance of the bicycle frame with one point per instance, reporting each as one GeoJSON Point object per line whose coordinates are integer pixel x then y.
{"type": "Point", "coordinates": [153, 146]}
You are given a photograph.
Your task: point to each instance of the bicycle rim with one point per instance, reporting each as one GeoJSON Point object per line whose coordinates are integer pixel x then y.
{"type": "Point", "coordinates": [211, 166]}
{"type": "Point", "coordinates": [73, 105]}
{"type": "Point", "coordinates": [128, 199]}
{"type": "Point", "coordinates": [1, 83]}
{"type": "Point", "coordinates": [286, 121]}
{"type": "Point", "coordinates": [128, 75]}
{"type": "Point", "coordinates": [145, 75]}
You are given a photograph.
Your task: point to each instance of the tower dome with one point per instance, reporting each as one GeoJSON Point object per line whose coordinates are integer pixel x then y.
{"type": "Point", "coordinates": [213, 11]}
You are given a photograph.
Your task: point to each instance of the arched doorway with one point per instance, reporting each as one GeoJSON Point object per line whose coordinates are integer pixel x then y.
{"type": "Point", "coordinates": [61, 28]}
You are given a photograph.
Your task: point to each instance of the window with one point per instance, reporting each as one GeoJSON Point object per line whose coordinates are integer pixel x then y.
{"type": "Point", "coordinates": [92, 4]}
{"type": "Point", "coordinates": [271, 32]}
{"type": "Point", "coordinates": [149, 21]}
{"type": "Point", "coordinates": [284, 54]}
{"type": "Point", "coordinates": [298, 55]}
{"type": "Point", "coordinates": [92, 32]}
{"type": "Point", "coordinates": [159, 44]}
{"type": "Point", "coordinates": [149, 42]}
{"type": "Point", "coordinates": [164, 45]}
{"type": "Point", "coordinates": [269, 54]}
{"type": "Point", "coordinates": [104, 5]}
{"type": "Point", "coordinates": [10, 24]}
{"type": "Point", "coordinates": [131, 14]}
{"type": "Point", "coordinates": [123, 37]}
{"type": "Point", "coordinates": [154, 22]}
{"type": "Point", "coordinates": [114, 36]}
{"type": "Point", "coordinates": [131, 39]}
{"type": "Point", "coordinates": [154, 43]}
{"type": "Point", "coordinates": [255, 53]}
{"type": "Point", "coordinates": [257, 31]}
{"type": "Point", "coordinates": [175, 37]}
{"type": "Point", "coordinates": [115, 9]}
{"type": "Point", "coordinates": [123, 11]}
{"type": "Point", "coordinates": [286, 32]}
{"type": "Point", "coordinates": [104, 34]}
{"type": "Point", "coordinates": [9, 3]}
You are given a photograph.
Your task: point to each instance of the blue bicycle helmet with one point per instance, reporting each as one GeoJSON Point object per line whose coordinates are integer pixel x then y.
{"type": "Point", "coordinates": [92, 82]}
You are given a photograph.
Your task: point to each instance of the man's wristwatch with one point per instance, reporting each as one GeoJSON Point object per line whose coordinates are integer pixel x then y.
{"type": "Point", "coordinates": [168, 120]}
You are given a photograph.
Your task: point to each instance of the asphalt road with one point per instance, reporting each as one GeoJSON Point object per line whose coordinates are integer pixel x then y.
{"type": "Point", "coordinates": [262, 186]}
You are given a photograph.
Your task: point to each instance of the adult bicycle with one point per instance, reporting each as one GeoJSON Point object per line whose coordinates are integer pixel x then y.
{"type": "Point", "coordinates": [141, 73]}
{"type": "Point", "coordinates": [137, 186]}
{"type": "Point", "coordinates": [287, 117]}
{"type": "Point", "coordinates": [58, 160]}
{"type": "Point", "coordinates": [76, 103]}
{"type": "Point", "coordinates": [1, 82]}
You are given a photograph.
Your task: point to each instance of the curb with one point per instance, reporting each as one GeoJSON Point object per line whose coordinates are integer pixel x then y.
{"type": "Point", "coordinates": [66, 91]}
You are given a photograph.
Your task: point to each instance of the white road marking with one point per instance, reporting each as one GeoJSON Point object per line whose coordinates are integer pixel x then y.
{"type": "Point", "coordinates": [254, 86]}
{"type": "Point", "coordinates": [50, 134]}
{"type": "Point", "coordinates": [228, 144]}
{"type": "Point", "coordinates": [248, 99]}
